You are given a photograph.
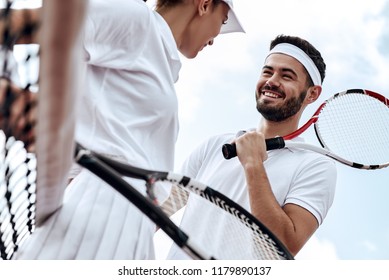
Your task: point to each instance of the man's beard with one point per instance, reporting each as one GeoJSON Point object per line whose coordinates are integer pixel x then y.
{"type": "Point", "coordinates": [278, 114]}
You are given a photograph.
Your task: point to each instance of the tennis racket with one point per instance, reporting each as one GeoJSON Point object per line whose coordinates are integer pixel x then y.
{"type": "Point", "coordinates": [351, 126]}
{"type": "Point", "coordinates": [17, 165]}
{"type": "Point", "coordinates": [244, 237]}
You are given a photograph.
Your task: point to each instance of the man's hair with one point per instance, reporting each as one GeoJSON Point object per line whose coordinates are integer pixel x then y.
{"type": "Point", "coordinates": [306, 47]}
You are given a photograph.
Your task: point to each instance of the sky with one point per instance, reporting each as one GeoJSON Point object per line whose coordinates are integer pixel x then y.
{"type": "Point", "coordinates": [216, 95]}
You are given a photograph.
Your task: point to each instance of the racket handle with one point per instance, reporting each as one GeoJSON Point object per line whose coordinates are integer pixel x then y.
{"type": "Point", "coordinates": [229, 150]}
{"type": "Point", "coordinates": [275, 143]}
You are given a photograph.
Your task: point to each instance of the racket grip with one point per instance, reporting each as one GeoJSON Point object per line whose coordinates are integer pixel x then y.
{"type": "Point", "coordinates": [275, 143]}
{"type": "Point", "coordinates": [229, 150]}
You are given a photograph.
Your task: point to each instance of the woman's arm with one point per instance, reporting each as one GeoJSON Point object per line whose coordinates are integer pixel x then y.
{"type": "Point", "coordinates": [58, 90]}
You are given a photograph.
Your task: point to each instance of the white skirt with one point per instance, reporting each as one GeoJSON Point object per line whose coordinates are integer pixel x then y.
{"type": "Point", "coordinates": [94, 222]}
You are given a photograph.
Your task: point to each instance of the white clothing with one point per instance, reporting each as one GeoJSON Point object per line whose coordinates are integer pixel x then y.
{"type": "Point", "coordinates": [296, 176]}
{"type": "Point", "coordinates": [129, 110]}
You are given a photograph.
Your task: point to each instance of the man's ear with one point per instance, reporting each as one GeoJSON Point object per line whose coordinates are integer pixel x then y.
{"type": "Point", "coordinates": [313, 94]}
{"type": "Point", "coordinates": [204, 6]}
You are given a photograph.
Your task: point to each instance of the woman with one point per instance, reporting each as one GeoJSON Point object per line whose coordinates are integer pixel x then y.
{"type": "Point", "coordinates": [128, 110]}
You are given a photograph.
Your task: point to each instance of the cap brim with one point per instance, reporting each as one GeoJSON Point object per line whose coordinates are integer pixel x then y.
{"type": "Point", "coordinates": [233, 23]}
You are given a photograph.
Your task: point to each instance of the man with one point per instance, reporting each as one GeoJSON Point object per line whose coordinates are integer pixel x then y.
{"type": "Point", "coordinates": [288, 190]}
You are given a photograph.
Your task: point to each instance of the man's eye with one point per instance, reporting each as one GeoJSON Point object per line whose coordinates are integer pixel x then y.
{"type": "Point", "coordinates": [266, 73]}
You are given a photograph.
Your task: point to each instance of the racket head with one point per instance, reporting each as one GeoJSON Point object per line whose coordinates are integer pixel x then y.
{"type": "Point", "coordinates": [230, 232]}
{"type": "Point", "coordinates": [112, 172]}
{"type": "Point", "coordinates": [353, 125]}
{"type": "Point", "coordinates": [223, 227]}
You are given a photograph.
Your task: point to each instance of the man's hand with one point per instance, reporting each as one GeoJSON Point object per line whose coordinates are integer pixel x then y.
{"type": "Point", "coordinates": [251, 147]}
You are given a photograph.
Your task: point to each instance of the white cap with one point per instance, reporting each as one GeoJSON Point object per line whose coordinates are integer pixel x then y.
{"type": "Point", "coordinates": [233, 24]}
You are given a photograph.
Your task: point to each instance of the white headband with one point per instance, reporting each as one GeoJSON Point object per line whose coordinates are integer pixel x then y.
{"type": "Point", "coordinates": [302, 57]}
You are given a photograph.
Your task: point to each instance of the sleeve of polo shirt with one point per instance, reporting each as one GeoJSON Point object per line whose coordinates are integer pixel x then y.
{"type": "Point", "coordinates": [193, 162]}
{"type": "Point", "coordinates": [115, 32]}
{"type": "Point", "coordinates": [314, 187]}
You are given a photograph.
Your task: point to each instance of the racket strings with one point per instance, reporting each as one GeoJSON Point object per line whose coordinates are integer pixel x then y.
{"type": "Point", "coordinates": [224, 231]}
{"type": "Point", "coordinates": [259, 245]}
{"type": "Point", "coordinates": [176, 201]}
{"type": "Point", "coordinates": [355, 126]}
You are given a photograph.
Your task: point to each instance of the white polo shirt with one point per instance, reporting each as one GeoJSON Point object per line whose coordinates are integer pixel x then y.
{"type": "Point", "coordinates": [296, 176]}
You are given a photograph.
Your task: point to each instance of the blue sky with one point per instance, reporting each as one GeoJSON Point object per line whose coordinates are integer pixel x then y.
{"type": "Point", "coordinates": [216, 95]}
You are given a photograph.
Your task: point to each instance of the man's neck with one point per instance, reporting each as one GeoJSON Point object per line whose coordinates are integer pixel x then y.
{"type": "Point", "coordinates": [272, 129]}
